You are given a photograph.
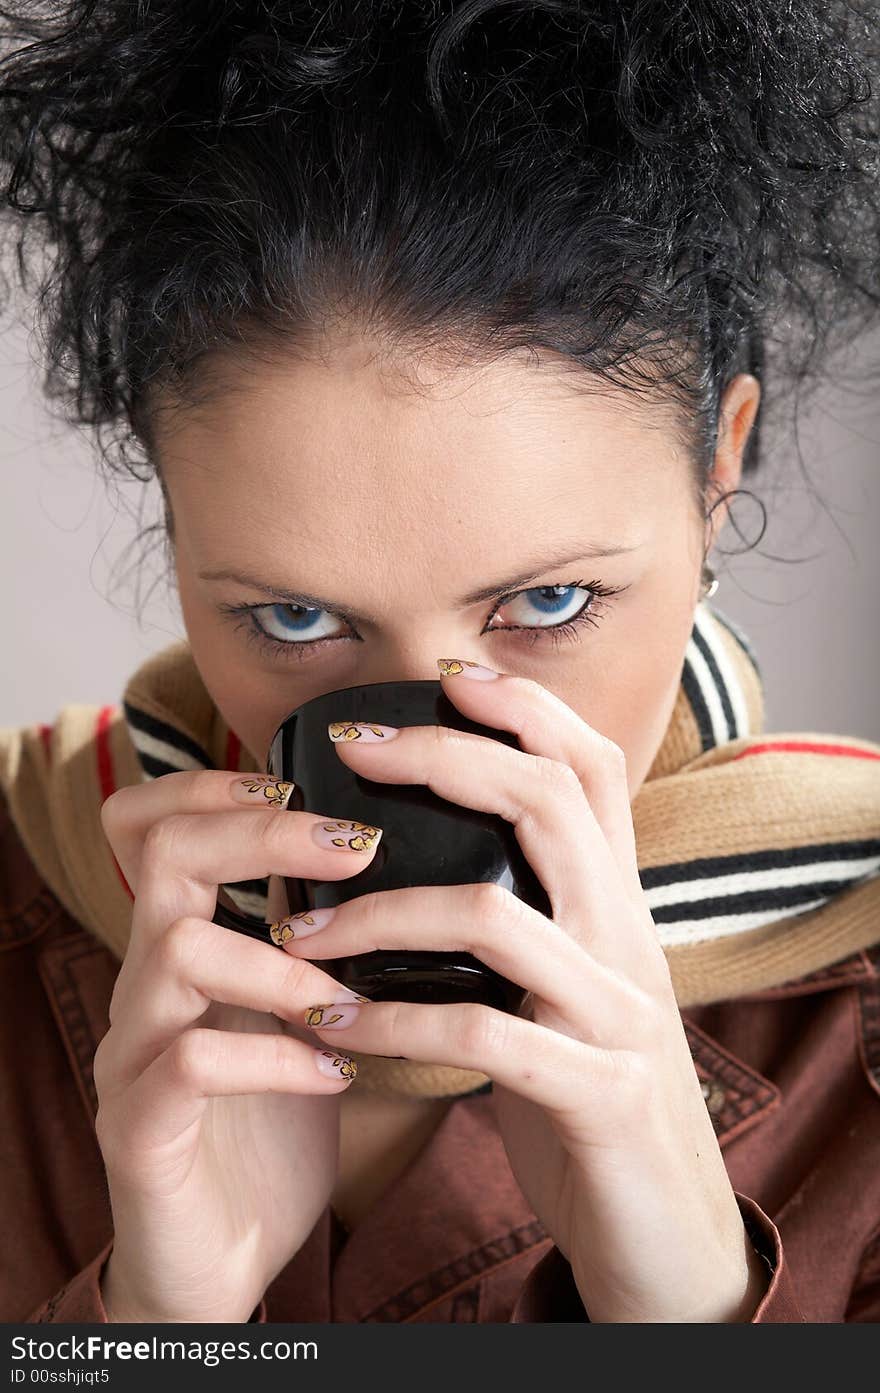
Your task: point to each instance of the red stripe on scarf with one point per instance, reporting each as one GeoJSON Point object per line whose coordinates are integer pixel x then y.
{"type": "Point", "coordinates": [805, 747]}
{"type": "Point", "coordinates": [46, 737]}
{"type": "Point", "coordinates": [106, 777]}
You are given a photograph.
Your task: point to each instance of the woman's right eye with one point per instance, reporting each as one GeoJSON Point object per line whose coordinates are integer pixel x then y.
{"type": "Point", "coordinates": [293, 623]}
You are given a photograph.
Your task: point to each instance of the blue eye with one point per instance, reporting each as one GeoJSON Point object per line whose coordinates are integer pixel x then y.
{"type": "Point", "coordinates": [292, 623]}
{"type": "Point", "coordinates": [544, 607]}
{"type": "Point", "coordinates": [547, 611]}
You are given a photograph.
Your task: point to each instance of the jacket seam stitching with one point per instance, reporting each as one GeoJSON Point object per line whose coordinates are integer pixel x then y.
{"type": "Point", "coordinates": [868, 1013]}
{"type": "Point", "coordinates": [70, 1015]}
{"type": "Point", "coordinates": [526, 1236]}
{"type": "Point", "coordinates": [477, 1280]}
{"type": "Point", "coordinates": [30, 922]}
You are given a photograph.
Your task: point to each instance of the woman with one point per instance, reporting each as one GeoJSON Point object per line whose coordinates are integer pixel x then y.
{"type": "Point", "coordinates": [441, 329]}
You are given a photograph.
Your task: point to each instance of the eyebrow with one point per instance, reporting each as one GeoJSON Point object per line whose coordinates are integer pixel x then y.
{"type": "Point", "coordinates": [486, 592]}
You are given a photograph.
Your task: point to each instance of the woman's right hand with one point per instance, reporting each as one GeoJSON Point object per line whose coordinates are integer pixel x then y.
{"type": "Point", "coordinates": [218, 1128]}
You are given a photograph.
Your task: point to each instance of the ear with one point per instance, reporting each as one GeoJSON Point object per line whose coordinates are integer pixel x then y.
{"type": "Point", "coordinates": [739, 407]}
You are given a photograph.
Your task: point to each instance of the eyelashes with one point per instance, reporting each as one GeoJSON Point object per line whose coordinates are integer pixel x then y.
{"type": "Point", "coordinates": [247, 619]}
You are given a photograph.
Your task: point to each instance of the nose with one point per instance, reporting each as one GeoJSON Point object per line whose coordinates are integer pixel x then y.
{"type": "Point", "coordinates": [416, 660]}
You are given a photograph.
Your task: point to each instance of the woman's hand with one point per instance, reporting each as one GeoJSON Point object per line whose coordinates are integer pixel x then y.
{"type": "Point", "coordinates": [218, 1116]}
{"type": "Point", "coordinates": [596, 1094]}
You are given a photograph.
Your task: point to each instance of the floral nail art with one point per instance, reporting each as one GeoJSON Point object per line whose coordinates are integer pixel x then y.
{"type": "Point", "coordinates": [359, 730]}
{"type": "Point", "coordinates": [331, 1063]}
{"type": "Point", "coordinates": [461, 667]}
{"type": "Point", "coordinates": [280, 932]}
{"type": "Point", "coordinates": [334, 1016]}
{"type": "Point", "coordinates": [300, 925]}
{"type": "Point", "coordinates": [346, 836]}
{"type": "Point", "coordinates": [271, 791]}
{"type": "Point", "coordinates": [315, 1016]}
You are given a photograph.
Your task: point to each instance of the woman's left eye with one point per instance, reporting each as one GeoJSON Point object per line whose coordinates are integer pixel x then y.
{"type": "Point", "coordinates": [558, 610]}
{"type": "Point", "coordinates": [552, 610]}
{"type": "Point", "coordinates": [545, 607]}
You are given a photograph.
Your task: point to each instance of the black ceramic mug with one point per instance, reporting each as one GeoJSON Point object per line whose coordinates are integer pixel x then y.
{"type": "Point", "coordinates": [426, 840]}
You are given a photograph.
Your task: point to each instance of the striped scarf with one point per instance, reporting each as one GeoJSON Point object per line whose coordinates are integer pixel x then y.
{"type": "Point", "coordinates": [759, 855]}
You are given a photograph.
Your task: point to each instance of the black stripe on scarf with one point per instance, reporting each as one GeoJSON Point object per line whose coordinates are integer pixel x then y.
{"type": "Point", "coordinates": [169, 735]}
{"type": "Point", "coordinates": [718, 681]}
{"type": "Point", "coordinates": [770, 897]}
{"type": "Point", "coordinates": [777, 858]}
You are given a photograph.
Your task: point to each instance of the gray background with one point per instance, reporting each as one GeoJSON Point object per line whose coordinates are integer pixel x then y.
{"type": "Point", "coordinates": [808, 597]}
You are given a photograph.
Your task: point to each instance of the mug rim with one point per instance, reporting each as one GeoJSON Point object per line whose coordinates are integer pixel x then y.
{"type": "Point", "coordinates": [357, 686]}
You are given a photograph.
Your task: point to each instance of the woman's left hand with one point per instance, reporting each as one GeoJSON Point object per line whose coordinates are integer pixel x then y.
{"type": "Point", "coordinates": [596, 1094]}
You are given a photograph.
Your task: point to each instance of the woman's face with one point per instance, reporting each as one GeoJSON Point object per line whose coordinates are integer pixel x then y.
{"type": "Point", "coordinates": [371, 529]}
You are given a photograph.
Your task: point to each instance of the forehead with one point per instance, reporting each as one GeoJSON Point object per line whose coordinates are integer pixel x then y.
{"type": "Point", "coordinates": [356, 444]}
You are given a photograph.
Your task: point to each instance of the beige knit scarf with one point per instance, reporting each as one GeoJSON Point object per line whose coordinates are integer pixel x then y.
{"type": "Point", "coordinates": [759, 854]}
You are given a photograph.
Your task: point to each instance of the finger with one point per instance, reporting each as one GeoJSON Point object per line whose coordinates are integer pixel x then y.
{"type": "Point", "coordinates": [171, 1095]}
{"type": "Point", "coordinates": [495, 926]}
{"type": "Point", "coordinates": [545, 725]}
{"type": "Point", "coordinates": [543, 800]}
{"type": "Point", "coordinates": [186, 857]}
{"type": "Point", "coordinates": [554, 1070]}
{"type": "Point", "coordinates": [129, 813]}
{"type": "Point", "coordinates": [194, 964]}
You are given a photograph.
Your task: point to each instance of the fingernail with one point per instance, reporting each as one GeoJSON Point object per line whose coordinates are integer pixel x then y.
{"type": "Point", "coordinates": [460, 667]}
{"type": "Point", "coordinates": [366, 731]}
{"type": "Point", "coordinates": [333, 1017]}
{"type": "Point", "coordinates": [262, 789]}
{"type": "Point", "coordinates": [346, 836]}
{"type": "Point", "coordinates": [307, 921]}
{"type": "Point", "coordinates": [334, 1065]}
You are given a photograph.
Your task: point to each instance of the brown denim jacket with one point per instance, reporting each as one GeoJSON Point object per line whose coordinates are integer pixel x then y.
{"type": "Point", "coordinates": [791, 1079]}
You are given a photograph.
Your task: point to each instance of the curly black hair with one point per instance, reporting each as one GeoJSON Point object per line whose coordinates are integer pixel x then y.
{"type": "Point", "coordinates": [659, 191]}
